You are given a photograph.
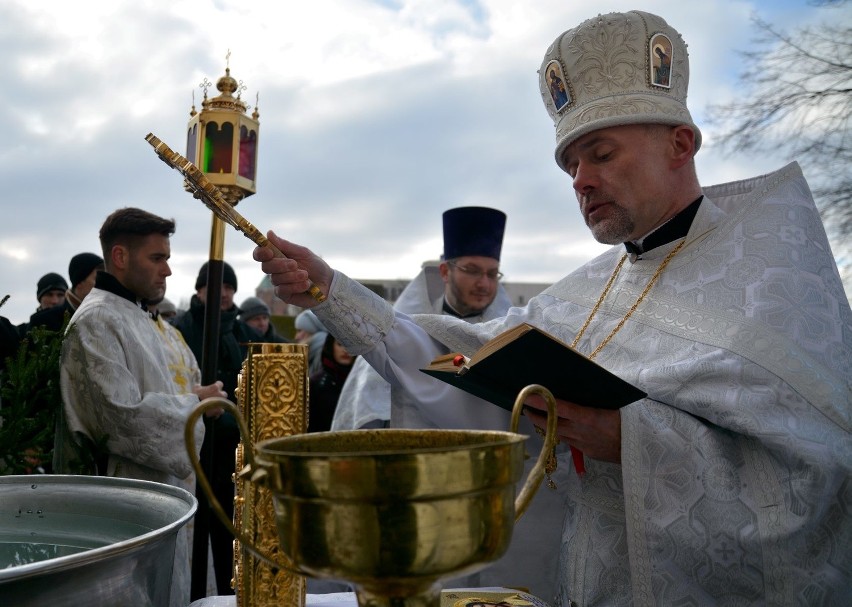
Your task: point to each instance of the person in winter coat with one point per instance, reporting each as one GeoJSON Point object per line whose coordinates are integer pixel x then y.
{"type": "Point", "coordinates": [234, 335]}
{"type": "Point", "coordinates": [327, 383]}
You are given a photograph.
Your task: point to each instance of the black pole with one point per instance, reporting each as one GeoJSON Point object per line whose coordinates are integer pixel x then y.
{"type": "Point", "coordinates": [209, 374]}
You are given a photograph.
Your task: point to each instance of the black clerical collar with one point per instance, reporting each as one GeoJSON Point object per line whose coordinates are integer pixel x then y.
{"type": "Point", "coordinates": [108, 282]}
{"type": "Point", "coordinates": [676, 227]}
{"type": "Point", "coordinates": [448, 309]}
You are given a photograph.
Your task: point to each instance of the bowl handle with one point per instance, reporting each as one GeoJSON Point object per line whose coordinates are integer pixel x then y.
{"type": "Point", "coordinates": [536, 475]}
{"type": "Point", "coordinates": [256, 473]}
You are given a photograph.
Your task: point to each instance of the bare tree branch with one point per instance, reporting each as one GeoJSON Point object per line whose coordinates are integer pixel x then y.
{"type": "Point", "coordinates": [797, 99]}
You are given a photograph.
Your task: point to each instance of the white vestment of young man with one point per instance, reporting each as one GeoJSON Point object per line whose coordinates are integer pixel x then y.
{"type": "Point", "coordinates": [734, 483]}
{"type": "Point", "coordinates": [118, 384]}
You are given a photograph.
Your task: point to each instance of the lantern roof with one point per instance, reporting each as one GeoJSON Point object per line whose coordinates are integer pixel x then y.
{"type": "Point", "coordinates": [229, 98]}
{"type": "Point", "coordinates": [227, 86]}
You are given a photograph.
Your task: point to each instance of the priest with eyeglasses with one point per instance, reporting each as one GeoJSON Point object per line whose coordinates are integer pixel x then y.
{"type": "Point", "coordinates": [465, 284]}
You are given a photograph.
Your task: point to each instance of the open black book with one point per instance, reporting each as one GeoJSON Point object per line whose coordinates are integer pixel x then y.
{"type": "Point", "coordinates": [525, 355]}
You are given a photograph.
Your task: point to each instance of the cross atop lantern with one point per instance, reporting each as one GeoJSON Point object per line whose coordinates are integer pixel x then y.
{"type": "Point", "coordinates": [221, 139]}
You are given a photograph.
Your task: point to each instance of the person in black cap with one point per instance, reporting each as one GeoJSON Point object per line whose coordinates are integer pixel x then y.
{"type": "Point", "coordinates": [465, 283]}
{"type": "Point", "coordinates": [234, 334]}
{"type": "Point", "coordinates": [82, 270]}
{"type": "Point", "coordinates": [255, 313]}
{"type": "Point", "coordinates": [50, 291]}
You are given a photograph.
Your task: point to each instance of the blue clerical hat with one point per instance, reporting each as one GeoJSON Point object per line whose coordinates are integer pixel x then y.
{"type": "Point", "coordinates": [474, 231]}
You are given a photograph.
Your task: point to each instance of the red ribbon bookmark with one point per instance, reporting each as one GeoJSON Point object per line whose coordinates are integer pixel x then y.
{"type": "Point", "coordinates": [579, 461]}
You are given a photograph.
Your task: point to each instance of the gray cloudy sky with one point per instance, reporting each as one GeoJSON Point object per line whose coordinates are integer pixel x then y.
{"type": "Point", "coordinates": [376, 116]}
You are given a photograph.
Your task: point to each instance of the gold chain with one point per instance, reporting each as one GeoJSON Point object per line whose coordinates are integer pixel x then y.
{"type": "Point", "coordinates": [632, 308]}
{"type": "Point", "coordinates": [550, 463]}
{"type": "Point", "coordinates": [599, 302]}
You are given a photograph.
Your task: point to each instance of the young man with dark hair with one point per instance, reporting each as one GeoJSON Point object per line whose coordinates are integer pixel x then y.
{"type": "Point", "coordinates": [120, 392]}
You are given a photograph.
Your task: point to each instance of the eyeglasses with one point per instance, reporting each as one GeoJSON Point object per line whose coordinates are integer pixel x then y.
{"type": "Point", "coordinates": [476, 273]}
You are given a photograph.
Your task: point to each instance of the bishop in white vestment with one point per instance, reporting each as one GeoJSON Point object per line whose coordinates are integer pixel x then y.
{"type": "Point", "coordinates": [730, 481]}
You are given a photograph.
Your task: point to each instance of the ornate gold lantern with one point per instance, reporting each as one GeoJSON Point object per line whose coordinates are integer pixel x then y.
{"type": "Point", "coordinates": [222, 139]}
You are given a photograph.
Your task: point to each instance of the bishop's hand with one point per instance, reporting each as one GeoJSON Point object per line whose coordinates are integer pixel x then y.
{"type": "Point", "coordinates": [294, 274]}
{"type": "Point", "coordinates": [595, 432]}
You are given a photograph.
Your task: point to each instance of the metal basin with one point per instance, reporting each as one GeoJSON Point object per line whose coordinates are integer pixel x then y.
{"type": "Point", "coordinates": [88, 540]}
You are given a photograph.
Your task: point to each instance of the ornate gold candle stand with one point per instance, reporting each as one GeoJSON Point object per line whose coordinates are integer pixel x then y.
{"type": "Point", "coordinates": [273, 397]}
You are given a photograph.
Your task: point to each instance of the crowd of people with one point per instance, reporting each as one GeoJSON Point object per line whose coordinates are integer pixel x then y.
{"type": "Point", "coordinates": [727, 484]}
